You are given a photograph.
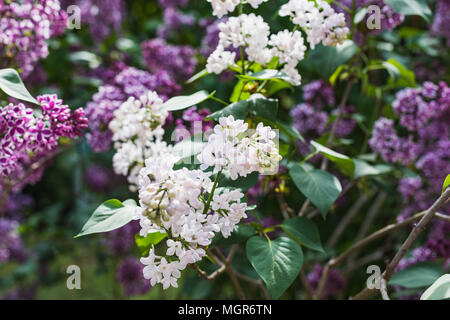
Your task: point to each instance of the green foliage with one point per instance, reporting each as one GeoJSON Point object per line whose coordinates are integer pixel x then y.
{"type": "Point", "coordinates": [412, 7]}
{"type": "Point", "coordinates": [418, 275]}
{"type": "Point", "coordinates": [13, 86]}
{"type": "Point", "coordinates": [184, 102]}
{"type": "Point", "coordinates": [304, 231]}
{"type": "Point", "coordinates": [110, 215]}
{"type": "Point", "coordinates": [446, 183]}
{"type": "Point", "coordinates": [278, 262]}
{"type": "Point", "coordinates": [319, 186]}
{"type": "Point", "coordinates": [145, 243]}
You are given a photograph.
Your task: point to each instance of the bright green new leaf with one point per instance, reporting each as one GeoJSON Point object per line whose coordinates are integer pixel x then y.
{"type": "Point", "coordinates": [304, 231]}
{"type": "Point", "coordinates": [145, 243]}
{"type": "Point", "coordinates": [13, 86]}
{"type": "Point", "coordinates": [110, 215]}
{"type": "Point", "coordinates": [446, 183]}
{"type": "Point", "coordinates": [319, 186]}
{"type": "Point", "coordinates": [278, 262]}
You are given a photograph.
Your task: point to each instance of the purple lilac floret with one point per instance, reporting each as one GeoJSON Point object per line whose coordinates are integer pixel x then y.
{"type": "Point", "coordinates": [25, 27]}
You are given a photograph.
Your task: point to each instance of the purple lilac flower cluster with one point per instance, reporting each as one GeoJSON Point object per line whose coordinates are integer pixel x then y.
{"type": "Point", "coordinates": [174, 21]}
{"type": "Point", "coordinates": [102, 16]}
{"type": "Point", "coordinates": [128, 82]}
{"type": "Point", "coordinates": [424, 114]}
{"type": "Point", "coordinates": [28, 138]}
{"type": "Point", "coordinates": [25, 26]}
{"type": "Point", "coordinates": [442, 19]}
{"type": "Point", "coordinates": [192, 121]}
{"type": "Point", "coordinates": [120, 241]}
{"type": "Point", "coordinates": [311, 117]}
{"type": "Point", "coordinates": [335, 282]}
{"type": "Point", "coordinates": [11, 246]}
{"type": "Point", "coordinates": [129, 274]}
{"type": "Point", "coordinates": [178, 61]}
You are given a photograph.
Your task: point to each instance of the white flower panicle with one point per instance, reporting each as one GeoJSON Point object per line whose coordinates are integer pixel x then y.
{"type": "Point", "coordinates": [173, 202]}
{"type": "Point", "coordinates": [239, 151]}
{"type": "Point", "coordinates": [318, 19]}
{"type": "Point", "coordinates": [136, 126]}
{"type": "Point", "coordinates": [223, 7]}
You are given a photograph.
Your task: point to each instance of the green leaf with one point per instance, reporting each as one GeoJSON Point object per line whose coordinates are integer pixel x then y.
{"type": "Point", "coordinates": [263, 107]}
{"type": "Point", "coordinates": [439, 290]}
{"type": "Point", "coordinates": [13, 86]}
{"type": "Point", "coordinates": [240, 234]}
{"type": "Point", "coordinates": [321, 187]}
{"type": "Point", "coordinates": [277, 262]}
{"type": "Point", "coordinates": [344, 162]}
{"type": "Point", "coordinates": [243, 183]}
{"type": "Point", "coordinates": [110, 215]}
{"type": "Point", "coordinates": [326, 59]}
{"type": "Point", "coordinates": [239, 110]}
{"type": "Point", "coordinates": [268, 74]}
{"type": "Point", "coordinates": [304, 231]}
{"type": "Point", "coordinates": [403, 77]}
{"type": "Point", "coordinates": [446, 183]}
{"type": "Point", "coordinates": [363, 168]}
{"type": "Point", "coordinates": [418, 275]}
{"type": "Point", "coordinates": [145, 243]}
{"type": "Point", "coordinates": [412, 7]}
{"type": "Point", "coordinates": [183, 102]}
{"type": "Point", "coordinates": [197, 76]}
{"type": "Point", "coordinates": [289, 130]}
{"type": "Point", "coordinates": [257, 105]}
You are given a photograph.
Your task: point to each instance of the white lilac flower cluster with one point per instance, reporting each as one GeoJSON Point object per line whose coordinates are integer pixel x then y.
{"type": "Point", "coordinates": [223, 7]}
{"type": "Point", "coordinates": [188, 206]}
{"type": "Point", "coordinates": [317, 18]}
{"type": "Point", "coordinates": [240, 151]}
{"type": "Point", "coordinates": [137, 135]}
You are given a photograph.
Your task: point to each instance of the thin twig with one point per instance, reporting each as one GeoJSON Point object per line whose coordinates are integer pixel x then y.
{"type": "Point", "coordinates": [383, 289]}
{"type": "Point", "coordinates": [305, 283]}
{"type": "Point", "coordinates": [425, 219]}
{"type": "Point", "coordinates": [230, 271]}
{"type": "Point", "coordinates": [345, 221]}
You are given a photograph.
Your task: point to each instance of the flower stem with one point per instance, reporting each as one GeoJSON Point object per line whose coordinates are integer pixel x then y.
{"type": "Point", "coordinates": [208, 203]}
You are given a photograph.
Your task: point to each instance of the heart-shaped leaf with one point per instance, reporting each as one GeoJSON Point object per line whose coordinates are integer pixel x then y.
{"type": "Point", "coordinates": [278, 262]}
